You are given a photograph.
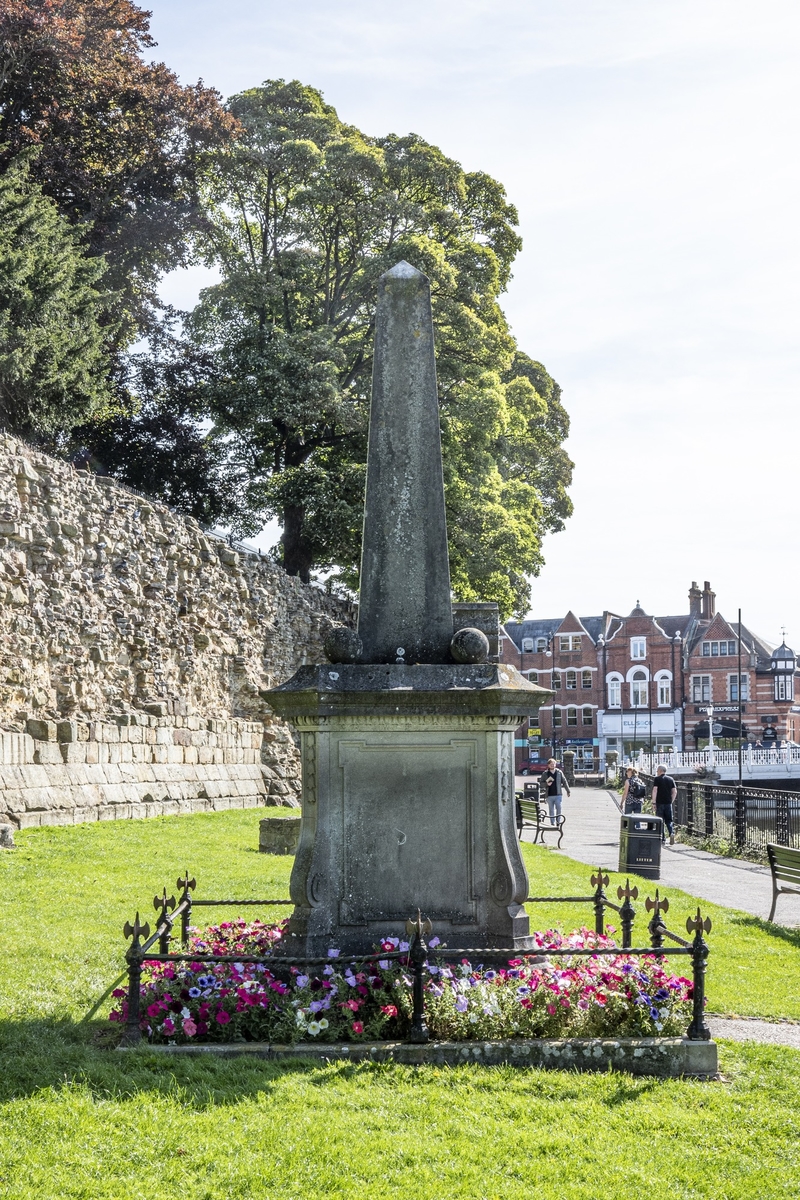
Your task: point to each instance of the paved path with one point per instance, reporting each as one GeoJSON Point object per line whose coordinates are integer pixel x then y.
{"type": "Point", "coordinates": [591, 835]}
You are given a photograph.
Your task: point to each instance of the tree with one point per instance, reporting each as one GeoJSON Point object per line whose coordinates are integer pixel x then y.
{"type": "Point", "coordinates": [306, 213]}
{"type": "Point", "coordinates": [163, 447]}
{"type": "Point", "coordinates": [53, 366]}
{"type": "Point", "coordinates": [121, 143]}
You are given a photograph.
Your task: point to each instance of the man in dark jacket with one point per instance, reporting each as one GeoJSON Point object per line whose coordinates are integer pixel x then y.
{"type": "Point", "coordinates": [555, 783]}
{"type": "Point", "coordinates": [664, 793]}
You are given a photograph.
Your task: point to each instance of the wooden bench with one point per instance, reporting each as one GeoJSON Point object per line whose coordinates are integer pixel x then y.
{"type": "Point", "coordinates": [532, 815]}
{"type": "Point", "coordinates": [784, 864]}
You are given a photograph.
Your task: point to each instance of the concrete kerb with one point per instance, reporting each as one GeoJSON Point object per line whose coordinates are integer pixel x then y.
{"type": "Point", "coordinates": [665, 1058]}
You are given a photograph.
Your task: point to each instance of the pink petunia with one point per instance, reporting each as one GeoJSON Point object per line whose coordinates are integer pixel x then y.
{"type": "Point", "coordinates": [153, 1009]}
{"type": "Point", "coordinates": [189, 1027]}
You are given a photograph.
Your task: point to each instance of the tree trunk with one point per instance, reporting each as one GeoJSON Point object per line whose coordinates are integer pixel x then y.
{"type": "Point", "coordinates": [297, 557]}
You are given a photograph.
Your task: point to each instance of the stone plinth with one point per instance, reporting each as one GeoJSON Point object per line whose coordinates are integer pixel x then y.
{"type": "Point", "coordinates": [408, 802]}
{"type": "Point", "coordinates": [278, 835]}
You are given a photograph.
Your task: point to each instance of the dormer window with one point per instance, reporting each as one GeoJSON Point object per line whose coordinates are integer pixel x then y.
{"type": "Point", "coordinates": [639, 648]}
{"type": "Point", "coordinates": [569, 643]}
{"type": "Point", "coordinates": [527, 645]}
{"type": "Point", "coordinates": [541, 645]}
{"type": "Point", "coordinates": [718, 649]}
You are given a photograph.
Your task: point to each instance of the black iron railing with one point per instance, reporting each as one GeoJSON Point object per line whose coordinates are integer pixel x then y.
{"type": "Point", "coordinates": [747, 817]}
{"type": "Point", "coordinates": [416, 957]}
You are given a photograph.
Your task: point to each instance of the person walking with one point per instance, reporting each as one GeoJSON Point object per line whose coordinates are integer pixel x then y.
{"type": "Point", "coordinates": [633, 792]}
{"type": "Point", "coordinates": [664, 793]}
{"type": "Point", "coordinates": [556, 784]}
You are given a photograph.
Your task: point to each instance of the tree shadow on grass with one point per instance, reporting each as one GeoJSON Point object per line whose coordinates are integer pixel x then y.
{"type": "Point", "coordinates": [781, 932]}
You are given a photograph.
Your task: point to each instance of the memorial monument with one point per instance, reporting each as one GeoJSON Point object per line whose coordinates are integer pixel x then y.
{"type": "Point", "coordinates": [407, 734]}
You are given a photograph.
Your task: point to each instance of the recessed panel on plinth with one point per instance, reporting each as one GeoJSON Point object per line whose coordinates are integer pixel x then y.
{"type": "Point", "coordinates": [407, 809]}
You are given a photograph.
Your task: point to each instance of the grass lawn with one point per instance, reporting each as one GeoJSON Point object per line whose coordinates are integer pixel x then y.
{"type": "Point", "coordinates": [79, 1121]}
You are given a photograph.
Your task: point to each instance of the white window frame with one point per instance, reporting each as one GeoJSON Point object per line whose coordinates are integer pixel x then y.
{"type": "Point", "coordinates": [556, 681]}
{"type": "Point", "coordinates": [784, 687]}
{"type": "Point", "coordinates": [527, 645]}
{"type": "Point", "coordinates": [663, 682]}
{"type": "Point", "coordinates": [640, 685]}
{"type": "Point", "coordinates": [614, 684]}
{"type": "Point", "coordinates": [572, 717]}
{"type": "Point", "coordinates": [697, 689]}
{"type": "Point", "coordinates": [586, 674]}
{"type": "Point", "coordinates": [557, 718]}
{"type": "Point", "coordinates": [733, 695]}
{"type": "Point", "coordinates": [571, 681]}
{"type": "Point", "coordinates": [541, 645]}
{"type": "Point", "coordinates": [638, 649]}
{"type": "Point", "coordinates": [587, 712]}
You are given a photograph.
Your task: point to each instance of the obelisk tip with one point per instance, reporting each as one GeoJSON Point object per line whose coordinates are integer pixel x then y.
{"type": "Point", "coordinates": [402, 270]}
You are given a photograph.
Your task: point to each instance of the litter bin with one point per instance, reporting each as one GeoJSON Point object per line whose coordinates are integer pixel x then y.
{"type": "Point", "coordinates": [640, 845]}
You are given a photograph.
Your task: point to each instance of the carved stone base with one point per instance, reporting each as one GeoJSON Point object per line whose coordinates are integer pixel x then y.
{"type": "Point", "coordinates": [408, 809]}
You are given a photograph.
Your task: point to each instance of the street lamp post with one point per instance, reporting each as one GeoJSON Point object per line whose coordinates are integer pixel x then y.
{"type": "Point", "coordinates": [711, 746]}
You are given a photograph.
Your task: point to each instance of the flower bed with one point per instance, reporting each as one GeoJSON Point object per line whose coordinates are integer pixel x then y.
{"type": "Point", "coordinates": [592, 997]}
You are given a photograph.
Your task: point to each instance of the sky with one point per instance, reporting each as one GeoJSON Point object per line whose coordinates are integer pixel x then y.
{"type": "Point", "coordinates": [651, 150]}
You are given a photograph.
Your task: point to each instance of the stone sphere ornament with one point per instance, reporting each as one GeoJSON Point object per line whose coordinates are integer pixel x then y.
{"type": "Point", "coordinates": [469, 646]}
{"type": "Point", "coordinates": [342, 644]}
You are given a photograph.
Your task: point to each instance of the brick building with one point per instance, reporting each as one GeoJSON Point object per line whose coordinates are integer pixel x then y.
{"type": "Point", "coordinates": [635, 682]}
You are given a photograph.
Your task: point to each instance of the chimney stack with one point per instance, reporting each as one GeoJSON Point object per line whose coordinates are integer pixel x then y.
{"type": "Point", "coordinates": [695, 596]}
{"type": "Point", "coordinates": [709, 601]}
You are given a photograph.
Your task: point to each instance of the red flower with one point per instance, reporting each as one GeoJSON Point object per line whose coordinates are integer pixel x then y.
{"type": "Point", "coordinates": [358, 1026]}
{"type": "Point", "coordinates": [389, 1009]}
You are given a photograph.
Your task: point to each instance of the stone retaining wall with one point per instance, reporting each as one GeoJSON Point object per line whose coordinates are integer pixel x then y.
{"type": "Point", "coordinates": [134, 648]}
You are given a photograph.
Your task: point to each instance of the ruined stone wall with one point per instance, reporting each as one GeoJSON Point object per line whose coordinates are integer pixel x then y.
{"type": "Point", "coordinates": [134, 648]}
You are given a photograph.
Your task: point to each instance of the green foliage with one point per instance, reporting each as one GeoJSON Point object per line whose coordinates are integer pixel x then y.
{"type": "Point", "coordinates": [85, 1123]}
{"type": "Point", "coordinates": [53, 366]}
{"type": "Point", "coordinates": [121, 143]}
{"type": "Point", "coordinates": [307, 213]}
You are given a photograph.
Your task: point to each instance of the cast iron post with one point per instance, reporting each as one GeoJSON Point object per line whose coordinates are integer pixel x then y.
{"type": "Point", "coordinates": [186, 885]}
{"type": "Point", "coordinates": [698, 1030]}
{"type": "Point", "coordinates": [137, 931]}
{"type": "Point", "coordinates": [627, 912]}
{"type": "Point", "coordinates": [418, 955]}
{"type": "Point", "coordinates": [163, 904]}
{"type": "Point", "coordinates": [599, 882]}
{"type": "Point", "coordinates": [656, 926]}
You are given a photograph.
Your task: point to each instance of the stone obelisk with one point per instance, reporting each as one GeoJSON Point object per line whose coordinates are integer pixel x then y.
{"type": "Point", "coordinates": [405, 610]}
{"type": "Point", "coordinates": [407, 737]}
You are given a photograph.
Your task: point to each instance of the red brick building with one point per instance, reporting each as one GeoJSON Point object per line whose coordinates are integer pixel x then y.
{"type": "Point", "coordinates": [635, 682]}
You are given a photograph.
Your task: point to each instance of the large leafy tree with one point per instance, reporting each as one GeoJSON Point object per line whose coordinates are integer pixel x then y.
{"type": "Point", "coordinates": [306, 212]}
{"type": "Point", "coordinates": [121, 142]}
{"type": "Point", "coordinates": [53, 366]}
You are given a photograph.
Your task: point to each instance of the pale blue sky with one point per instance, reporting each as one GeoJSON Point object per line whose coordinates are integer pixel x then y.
{"type": "Point", "coordinates": [652, 151]}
